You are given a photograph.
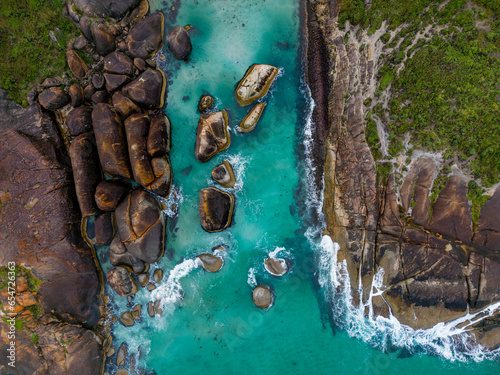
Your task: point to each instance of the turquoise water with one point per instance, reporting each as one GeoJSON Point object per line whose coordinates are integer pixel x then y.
{"type": "Point", "coordinates": [209, 324]}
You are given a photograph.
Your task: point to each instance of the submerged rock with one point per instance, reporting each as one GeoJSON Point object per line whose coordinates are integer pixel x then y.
{"type": "Point", "coordinates": [223, 174]}
{"type": "Point", "coordinates": [262, 296]}
{"type": "Point", "coordinates": [148, 89]}
{"type": "Point", "coordinates": [250, 121]}
{"type": "Point", "coordinates": [205, 103]}
{"type": "Point", "coordinates": [210, 262]}
{"type": "Point", "coordinates": [140, 222]}
{"type": "Point", "coordinates": [215, 209]}
{"type": "Point", "coordinates": [276, 266]}
{"type": "Point", "coordinates": [121, 282]}
{"type": "Point", "coordinates": [158, 275]}
{"type": "Point", "coordinates": [53, 98]}
{"type": "Point", "coordinates": [256, 83]}
{"type": "Point", "coordinates": [179, 42]}
{"type": "Point", "coordinates": [212, 135]}
{"type": "Point", "coordinates": [146, 37]}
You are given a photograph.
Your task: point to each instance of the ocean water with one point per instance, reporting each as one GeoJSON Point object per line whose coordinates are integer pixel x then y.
{"type": "Point", "coordinates": [209, 324]}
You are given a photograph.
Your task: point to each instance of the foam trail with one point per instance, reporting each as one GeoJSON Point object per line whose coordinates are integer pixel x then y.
{"type": "Point", "coordinates": [449, 340]}
{"type": "Point", "coordinates": [251, 278]}
{"type": "Point", "coordinates": [170, 291]}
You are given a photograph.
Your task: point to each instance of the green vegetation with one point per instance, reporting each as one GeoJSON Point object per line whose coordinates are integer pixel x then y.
{"type": "Point", "coordinates": [33, 282]}
{"type": "Point", "coordinates": [34, 338]}
{"type": "Point", "coordinates": [475, 195]}
{"type": "Point", "coordinates": [372, 138]}
{"type": "Point", "coordinates": [438, 185]}
{"type": "Point", "coordinates": [27, 54]}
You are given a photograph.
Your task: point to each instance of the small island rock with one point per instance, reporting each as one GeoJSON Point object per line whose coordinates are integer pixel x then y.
{"type": "Point", "coordinates": [210, 263]}
{"type": "Point", "coordinates": [262, 296]}
{"type": "Point", "coordinates": [215, 208]}
{"type": "Point", "coordinates": [256, 83]}
{"type": "Point", "coordinates": [223, 174]}
{"type": "Point", "coordinates": [212, 135]}
{"type": "Point", "coordinates": [250, 121]}
{"type": "Point", "coordinates": [179, 42]}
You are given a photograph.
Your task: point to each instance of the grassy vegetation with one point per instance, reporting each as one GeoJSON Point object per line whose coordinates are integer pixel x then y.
{"type": "Point", "coordinates": [33, 282]}
{"type": "Point", "coordinates": [27, 54]}
{"type": "Point", "coordinates": [475, 195]}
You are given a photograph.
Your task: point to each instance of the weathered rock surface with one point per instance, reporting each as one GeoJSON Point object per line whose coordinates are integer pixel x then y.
{"type": "Point", "coordinates": [121, 282]}
{"type": "Point", "coordinates": [210, 262]}
{"type": "Point", "coordinates": [159, 136]}
{"type": "Point", "coordinates": [109, 193]}
{"type": "Point", "coordinates": [118, 63]}
{"type": "Point", "coordinates": [148, 89]}
{"type": "Point", "coordinates": [98, 81]}
{"type": "Point", "coordinates": [215, 208]}
{"type": "Point", "coordinates": [80, 43]}
{"type": "Point", "coordinates": [276, 266]}
{"type": "Point", "coordinates": [53, 98]}
{"type": "Point", "coordinates": [205, 103]}
{"type": "Point", "coordinates": [101, 96]}
{"type": "Point", "coordinates": [212, 135]}
{"type": "Point", "coordinates": [249, 123]}
{"type": "Point", "coordinates": [179, 42]}
{"type": "Point", "coordinates": [262, 296]}
{"type": "Point", "coordinates": [255, 83]}
{"type": "Point", "coordinates": [104, 41]}
{"type": "Point", "coordinates": [86, 172]}
{"type": "Point", "coordinates": [115, 81]}
{"type": "Point", "coordinates": [76, 94]}
{"type": "Point", "coordinates": [76, 64]}
{"type": "Point", "coordinates": [105, 8]}
{"type": "Point", "coordinates": [123, 105]}
{"type": "Point", "coordinates": [79, 120]}
{"type": "Point", "coordinates": [122, 354]}
{"type": "Point", "coordinates": [158, 275]}
{"type": "Point", "coordinates": [111, 141]}
{"type": "Point", "coordinates": [140, 222]}
{"type": "Point", "coordinates": [127, 319]}
{"type": "Point", "coordinates": [223, 174]}
{"type": "Point", "coordinates": [146, 37]}
{"type": "Point", "coordinates": [119, 256]}
{"type": "Point", "coordinates": [137, 129]}
{"type": "Point", "coordinates": [488, 229]}
{"type": "Point", "coordinates": [104, 230]}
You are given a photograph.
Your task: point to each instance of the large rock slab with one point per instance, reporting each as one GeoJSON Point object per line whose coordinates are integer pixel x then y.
{"type": "Point", "coordinates": [111, 141]}
{"type": "Point", "coordinates": [212, 135]}
{"type": "Point", "coordinates": [118, 63]}
{"type": "Point", "coordinates": [488, 228]}
{"type": "Point", "coordinates": [215, 209]}
{"type": "Point", "coordinates": [141, 225]}
{"type": "Point", "coordinates": [179, 42]}
{"type": "Point", "coordinates": [148, 89]}
{"type": "Point", "coordinates": [255, 84]}
{"type": "Point", "coordinates": [79, 120]}
{"type": "Point", "coordinates": [159, 136]}
{"type": "Point", "coordinates": [146, 37]}
{"type": "Point", "coordinates": [53, 98]}
{"type": "Point", "coordinates": [119, 256]}
{"type": "Point", "coordinates": [105, 8]}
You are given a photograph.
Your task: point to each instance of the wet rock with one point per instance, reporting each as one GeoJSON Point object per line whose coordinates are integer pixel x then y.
{"type": "Point", "coordinates": [86, 172]}
{"type": "Point", "coordinates": [121, 282]}
{"type": "Point", "coordinates": [53, 98]}
{"type": "Point", "coordinates": [212, 135]}
{"type": "Point", "coordinates": [452, 215]}
{"type": "Point", "coordinates": [123, 105]}
{"type": "Point", "coordinates": [115, 81]}
{"type": "Point", "coordinates": [262, 296]}
{"type": "Point", "coordinates": [151, 287]}
{"type": "Point", "coordinates": [148, 89]}
{"type": "Point", "coordinates": [76, 94]}
{"type": "Point", "coordinates": [158, 276]}
{"type": "Point", "coordinates": [136, 312]}
{"type": "Point", "coordinates": [151, 309]}
{"type": "Point", "coordinates": [76, 64]}
{"type": "Point", "coordinates": [137, 13]}
{"type": "Point", "coordinates": [105, 8]}
{"type": "Point", "coordinates": [140, 64]}
{"type": "Point", "coordinates": [88, 92]}
{"type": "Point", "coordinates": [127, 319]}
{"type": "Point", "coordinates": [111, 141]}
{"type": "Point", "coordinates": [143, 279]}
{"type": "Point", "coordinates": [205, 103]}
{"type": "Point", "coordinates": [276, 266]}
{"type": "Point", "coordinates": [179, 42]}
{"type": "Point", "coordinates": [118, 63]}
{"type": "Point", "coordinates": [119, 256]}
{"type": "Point", "coordinates": [137, 128]}
{"type": "Point", "coordinates": [159, 136]}
{"type": "Point", "coordinates": [158, 308]}
{"type": "Point", "coordinates": [121, 357]}
{"type": "Point", "coordinates": [256, 83]}
{"type": "Point", "coordinates": [250, 121]}
{"type": "Point", "coordinates": [140, 223]}
{"type": "Point", "coordinates": [223, 174]}
{"type": "Point", "coordinates": [100, 96]}
{"type": "Point", "coordinates": [79, 120]}
{"type": "Point", "coordinates": [80, 43]}
{"type": "Point", "coordinates": [98, 81]}
{"type": "Point", "coordinates": [151, 63]}
{"type": "Point", "coordinates": [104, 230]}
{"type": "Point", "coordinates": [210, 263]}
{"type": "Point", "coordinates": [215, 209]}
{"type": "Point", "coordinates": [104, 41]}
{"type": "Point", "coordinates": [146, 37]}
{"type": "Point", "coordinates": [109, 193]}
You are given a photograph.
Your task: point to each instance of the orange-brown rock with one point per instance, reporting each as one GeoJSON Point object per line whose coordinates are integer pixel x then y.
{"type": "Point", "coordinates": [223, 174]}
{"type": "Point", "coordinates": [159, 136]}
{"type": "Point", "coordinates": [137, 129]}
{"type": "Point", "coordinates": [215, 209]}
{"type": "Point", "coordinates": [104, 41]}
{"type": "Point", "coordinates": [104, 229]}
{"type": "Point", "coordinates": [119, 256]}
{"type": "Point", "coordinates": [123, 105]}
{"type": "Point", "coordinates": [53, 98]}
{"type": "Point", "coordinates": [109, 193]}
{"type": "Point", "coordinates": [118, 63]}
{"type": "Point", "coordinates": [148, 89]}
{"type": "Point", "coordinates": [79, 120]}
{"type": "Point", "coordinates": [212, 135]}
{"type": "Point", "coordinates": [76, 94]}
{"type": "Point", "coordinates": [76, 64]}
{"type": "Point", "coordinates": [121, 282]}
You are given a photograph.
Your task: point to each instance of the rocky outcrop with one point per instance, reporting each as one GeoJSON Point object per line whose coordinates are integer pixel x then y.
{"type": "Point", "coordinates": [146, 37]}
{"type": "Point", "coordinates": [205, 103]}
{"type": "Point", "coordinates": [210, 262]}
{"type": "Point", "coordinates": [215, 209]}
{"type": "Point", "coordinates": [105, 8]}
{"type": "Point", "coordinates": [223, 174]}
{"type": "Point", "coordinates": [148, 89]}
{"type": "Point", "coordinates": [121, 282]}
{"type": "Point", "coordinates": [179, 42]}
{"type": "Point", "coordinates": [249, 123]}
{"type": "Point", "coordinates": [212, 135]}
{"type": "Point", "coordinates": [276, 266]}
{"type": "Point", "coordinates": [262, 296]}
{"type": "Point", "coordinates": [255, 84]}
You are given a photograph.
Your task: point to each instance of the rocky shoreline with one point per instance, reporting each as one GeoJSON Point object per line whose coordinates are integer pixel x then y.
{"type": "Point", "coordinates": [437, 265]}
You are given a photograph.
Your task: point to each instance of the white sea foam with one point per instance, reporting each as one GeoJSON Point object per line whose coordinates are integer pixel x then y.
{"type": "Point", "coordinates": [278, 250]}
{"type": "Point", "coordinates": [170, 291]}
{"type": "Point", "coordinates": [251, 278]}
{"type": "Point", "coordinates": [449, 340]}
{"type": "Point", "coordinates": [239, 164]}
{"type": "Point", "coordinates": [174, 200]}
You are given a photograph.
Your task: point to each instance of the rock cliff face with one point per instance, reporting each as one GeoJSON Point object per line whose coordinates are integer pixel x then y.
{"type": "Point", "coordinates": [40, 222]}
{"type": "Point", "coordinates": [436, 267]}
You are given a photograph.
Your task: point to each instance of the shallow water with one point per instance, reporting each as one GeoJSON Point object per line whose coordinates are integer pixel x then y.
{"type": "Point", "coordinates": [209, 324]}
